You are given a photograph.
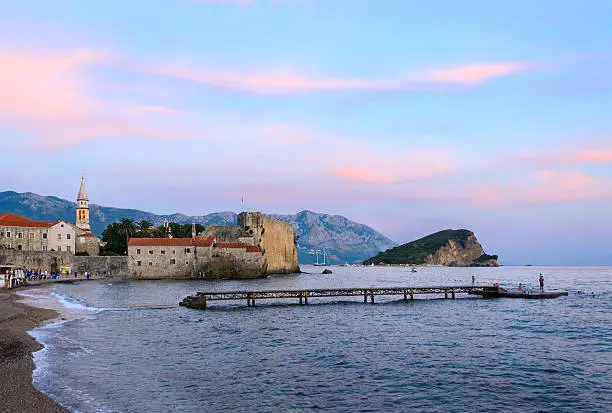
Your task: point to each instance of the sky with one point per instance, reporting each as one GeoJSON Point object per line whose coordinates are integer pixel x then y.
{"type": "Point", "coordinates": [407, 116]}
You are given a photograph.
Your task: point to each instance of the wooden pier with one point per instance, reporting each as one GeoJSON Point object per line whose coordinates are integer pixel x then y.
{"type": "Point", "coordinates": [201, 299]}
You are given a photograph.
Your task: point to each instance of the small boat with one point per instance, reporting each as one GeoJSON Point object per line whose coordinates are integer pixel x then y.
{"type": "Point", "coordinates": [413, 270]}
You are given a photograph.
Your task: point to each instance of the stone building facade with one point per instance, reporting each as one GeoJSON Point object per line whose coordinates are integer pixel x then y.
{"type": "Point", "coordinates": [256, 247]}
{"type": "Point", "coordinates": [168, 257]}
{"type": "Point", "coordinates": [23, 234]}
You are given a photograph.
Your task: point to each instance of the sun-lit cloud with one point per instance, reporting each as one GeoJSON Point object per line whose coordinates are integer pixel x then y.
{"type": "Point", "coordinates": [53, 96]}
{"type": "Point", "coordinates": [289, 82]}
{"type": "Point", "coordinates": [474, 74]}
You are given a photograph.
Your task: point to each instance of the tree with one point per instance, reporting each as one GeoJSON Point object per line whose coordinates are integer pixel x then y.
{"type": "Point", "coordinates": [116, 242]}
{"type": "Point", "coordinates": [127, 228]}
{"type": "Point", "coordinates": [145, 225]}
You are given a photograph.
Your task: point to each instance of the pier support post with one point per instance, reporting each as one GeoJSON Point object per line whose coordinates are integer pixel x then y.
{"type": "Point", "coordinates": [306, 297]}
{"type": "Point", "coordinates": [405, 296]}
{"type": "Point", "coordinates": [445, 294]}
{"type": "Point", "coordinates": [453, 293]}
{"type": "Point", "coordinates": [248, 301]}
{"type": "Point", "coordinates": [365, 297]}
{"type": "Point", "coordinates": [411, 294]}
{"type": "Point", "coordinates": [372, 296]}
{"type": "Point", "coordinates": [301, 299]}
{"type": "Point", "coordinates": [253, 299]}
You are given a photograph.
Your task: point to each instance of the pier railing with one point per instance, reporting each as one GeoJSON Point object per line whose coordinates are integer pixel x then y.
{"type": "Point", "coordinates": [201, 299]}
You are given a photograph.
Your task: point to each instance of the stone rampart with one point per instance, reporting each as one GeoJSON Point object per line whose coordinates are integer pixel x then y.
{"type": "Point", "coordinates": [36, 260]}
{"type": "Point", "coordinates": [277, 240]}
{"type": "Point", "coordinates": [234, 263]}
{"type": "Point", "coordinates": [223, 233]}
{"type": "Point", "coordinates": [115, 265]}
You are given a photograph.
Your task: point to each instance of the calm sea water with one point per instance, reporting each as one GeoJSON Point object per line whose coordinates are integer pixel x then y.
{"type": "Point", "coordinates": [128, 346]}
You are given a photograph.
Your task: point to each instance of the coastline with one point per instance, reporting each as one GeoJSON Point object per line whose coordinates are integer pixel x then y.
{"type": "Point", "coordinates": [17, 392]}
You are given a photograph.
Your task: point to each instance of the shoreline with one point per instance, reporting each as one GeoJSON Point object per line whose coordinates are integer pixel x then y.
{"type": "Point", "coordinates": [17, 391]}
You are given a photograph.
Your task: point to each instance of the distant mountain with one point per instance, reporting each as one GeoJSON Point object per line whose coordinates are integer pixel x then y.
{"type": "Point", "coordinates": [449, 247]}
{"type": "Point", "coordinates": [343, 239]}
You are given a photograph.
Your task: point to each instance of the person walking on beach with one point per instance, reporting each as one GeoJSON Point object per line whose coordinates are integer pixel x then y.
{"type": "Point", "coordinates": [541, 283]}
{"type": "Point", "coordinates": [473, 280]}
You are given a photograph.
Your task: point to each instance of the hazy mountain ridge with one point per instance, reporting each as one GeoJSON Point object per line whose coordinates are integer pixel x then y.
{"type": "Point", "coordinates": [344, 240]}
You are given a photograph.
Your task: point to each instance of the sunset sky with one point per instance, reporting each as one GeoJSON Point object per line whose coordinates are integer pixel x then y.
{"type": "Point", "coordinates": [408, 116]}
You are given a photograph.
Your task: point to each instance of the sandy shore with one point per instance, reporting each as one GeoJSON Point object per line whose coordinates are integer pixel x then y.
{"type": "Point", "coordinates": [17, 394]}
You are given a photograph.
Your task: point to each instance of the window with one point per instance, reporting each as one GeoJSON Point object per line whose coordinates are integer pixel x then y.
{"type": "Point", "coordinates": [138, 251]}
{"type": "Point", "coordinates": [20, 235]}
{"type": "Point", "coordinates": [31, 235]}
{"type": "Point", "coordinates": [44, 235]}
{"type": "Point", "coordinates": [68, 248]}
{"type": "Point", "coordinates": [59, 248]}
{"type": "Point", "coordinates": [59, 236]}
{"type": "Point", "coordinates": [187, 250]}
{"type": "Point", "coordinates": [172, 261]}
{"type": "Point", "coordinates": [1, 233]}
{"type": "Point", "coordinates": [139, 263]}
{"type": "Point", "coordinates": [151, 252]}
{"type": "Point", "coordinates": [19, 247]}
{"type": "Point", "coordinates": [67, 236]}
{"type": "Point", "coordinates": [150, 264]}
{"type": "Point", "coordinates": [8, 234]}
{"type": "Point", "coordinates": [174, 251]}
{"type": "Point", "coordinates": [163, 252]}
{"type": "Point", "coordinates": [186, 262]}
{"type": "Point", "coordinates": [44, 248]}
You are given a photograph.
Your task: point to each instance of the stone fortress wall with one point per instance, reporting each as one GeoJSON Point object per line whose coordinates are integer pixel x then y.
{"type": "Point", "coordinates": [276, 238]}
{"type": "Point", "coordinates": [49, 260]}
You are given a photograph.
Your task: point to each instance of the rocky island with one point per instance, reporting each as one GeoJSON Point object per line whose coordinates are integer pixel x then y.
{"type": "Point", "coordinates": [450, 247]}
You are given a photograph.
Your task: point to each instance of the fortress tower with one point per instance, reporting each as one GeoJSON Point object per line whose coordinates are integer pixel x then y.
{"type": "Point", "coordinates": [82, 209]}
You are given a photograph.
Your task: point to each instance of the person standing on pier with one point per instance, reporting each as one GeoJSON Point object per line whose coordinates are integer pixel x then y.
{"type": "Point", "coordinates": [541, 283]}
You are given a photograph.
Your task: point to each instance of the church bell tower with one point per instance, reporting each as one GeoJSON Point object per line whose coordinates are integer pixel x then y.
{"type": "Point", "coordinates": [82, 209]}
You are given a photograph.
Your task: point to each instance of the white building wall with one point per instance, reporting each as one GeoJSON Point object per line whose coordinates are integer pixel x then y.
{"type": "Point", "coordinates": [62, 237]}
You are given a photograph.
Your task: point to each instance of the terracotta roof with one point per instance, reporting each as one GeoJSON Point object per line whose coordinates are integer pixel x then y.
{"type": "Point", "coordinates": [231, 245]}
{"type": "Point", "coordinates": [253, 248]}
{"type": "Point", "coordinates": [204, 241]}
{"type": "Point", "coordinates": [87, 235]}
{"type": "Point", "coordinates": [172, 242]}
{"type": "Point", "coordinates": [12, 220]}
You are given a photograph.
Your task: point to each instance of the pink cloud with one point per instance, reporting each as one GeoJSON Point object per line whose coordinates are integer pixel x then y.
{"type": "Point", "coordinates": [52, 96]}
{"type": "Point", "coordinates": [544, 187]}
{"type": "Point", "coordinates": [287, 82]}
{"type": "Point", "coordinates": [474, 74]}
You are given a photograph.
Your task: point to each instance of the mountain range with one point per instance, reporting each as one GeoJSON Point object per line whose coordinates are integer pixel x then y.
{"type": "Point", "coordinates": [343, 239]}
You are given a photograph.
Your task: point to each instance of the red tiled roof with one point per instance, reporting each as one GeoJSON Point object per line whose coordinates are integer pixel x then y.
{"type": "Point", "coordinates": [204, 241]}
{"type": "Point", "coordinates": [161, 242]}
{"type": "Point", "coordinates": [253, 248]}
{"type": "Point", "coordinates": [12, 220]}
{"type": "Point", "coordinates": [172, 242]}
{"type": "Point", "coordinates": [231, 245]}
{"type": "Point", "coordinates": [87, 235]}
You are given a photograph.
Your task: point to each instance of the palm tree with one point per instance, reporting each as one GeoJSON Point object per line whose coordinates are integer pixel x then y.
{"type": "Point", "coordinates": [127, 228]}
{"type": "Point", "coordinates": [145, 225]}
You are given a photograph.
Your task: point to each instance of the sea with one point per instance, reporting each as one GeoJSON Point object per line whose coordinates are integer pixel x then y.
{"type": "Point", "coordinates": [127, 346]}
